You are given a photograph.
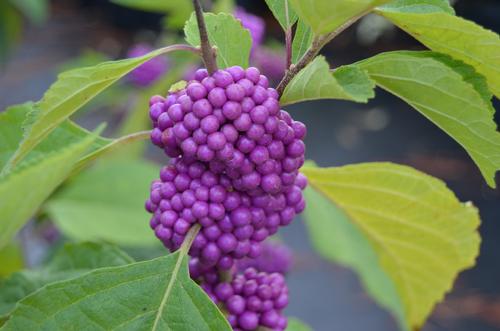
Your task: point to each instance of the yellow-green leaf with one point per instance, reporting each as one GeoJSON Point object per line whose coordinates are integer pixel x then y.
{"type": "Point", "coordinates": [448, 94]}
{"type": "Point", "coordinates": [317, 82]}
{"type": "Point", "coordinates": [421, 234]}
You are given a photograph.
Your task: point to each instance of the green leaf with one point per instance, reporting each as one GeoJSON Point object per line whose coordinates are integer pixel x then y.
{"type": "Point", "coordinates": [72, 90]}
{"type": "Point", "coordinates": [421, 234]}
{"type": "Point", "coordinates": [418, 6]}
{"type": "Point", "coordinates": [223, 6]}
{"type": "Point", "coordinates": [152, 295]}
{"type": "Point", "coordinates": [26, 188]}
{"type": "Point", "coordinates": [452, 35]}
{"type": "Point", "coordinates": [12, 260]}
{"type": "Point", "coordinates": [11, 134]}
{"type": "Point", "coordinates": [283, 12]}
{"type": "Point", "coordinates": [325, 16]}
{"type": "Point", "coordinates": [296, 325]}
{"type": "Point", "coordinates": [71, 261]}
{"type": "Point", "coordinates": [35, 10]}
{"type": "Point", "coordinates": [178, 11]}
{"type": "Point", "coordinates": [107, 202]}
{"type": "Point", "coordinates": [317, 82]}
{"type": "Point", "coordinates": [301, 41]}
{"type": "Point", "coordinates": [11, 24]}
{"type": "Point", "coordinates": [446, 97]}
{"type": "Point", "coordinates": [233, 41]}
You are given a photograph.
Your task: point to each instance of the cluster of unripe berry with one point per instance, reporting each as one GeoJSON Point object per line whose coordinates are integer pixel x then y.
{"type": "Point", "coordinates": [234, 172]}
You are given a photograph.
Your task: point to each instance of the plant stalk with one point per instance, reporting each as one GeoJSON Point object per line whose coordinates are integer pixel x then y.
{"type": "Point", "coordinates": [317, 44]}
{"type": "Point", "coordinates": [207, 52]}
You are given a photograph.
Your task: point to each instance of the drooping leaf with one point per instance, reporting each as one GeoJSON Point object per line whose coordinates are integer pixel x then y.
{"type": "Point", "coordinates": [325, 16]}
{"type": "Point", "coordinates": [152, 295]}
{"type": "Point", "coordinates": [178, 11]}
{"type": "Point", "coordinates": [448, 97]}
{"type": "Point", "coordinates": [226, 32]}
{"type": "Point", "coordinates": [421, 234]}
{"type": "Point", "coordinates": [12, 260]}
{"type": "Point", "coordinates": [283, 12]}
{"type": "Point", "coordinates": [107, 202]}
{"type": "Point", "coordinates": [295, 324]}
{"type": "Point", "coordinates": [336, 238]}
{"type": "Point", "coordinates": [27, 187]}
{"type": "Point", "coordinates": [443, 32]}
{"type": "Point", "coordinates": [71, 261]}
{"type": "Point", "coordinates": [71, 91]}
{"type": "Point", "coordinates": [301, 41]}
{"type": "Point", "coordinates": [317, 82]}
{"type": "Point", "coordinates": [11, 134]}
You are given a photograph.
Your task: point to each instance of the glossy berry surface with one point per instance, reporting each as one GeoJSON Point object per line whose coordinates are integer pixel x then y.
{"type": "Point", "coordinates": [233, 122]}
{"type": "Point", "coordinates": [274, 257]}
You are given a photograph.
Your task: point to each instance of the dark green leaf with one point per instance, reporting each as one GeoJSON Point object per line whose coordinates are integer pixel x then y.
{"type": "Point", "coordinates": [71, 261]}
{"type": "Point", "coordinates": [153, 295]}
{"type": "Point", "coordinates": [450, 97]}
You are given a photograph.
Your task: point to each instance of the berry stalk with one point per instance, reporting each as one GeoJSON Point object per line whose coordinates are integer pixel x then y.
{"type": "Point", "coordinates": [206, 50]}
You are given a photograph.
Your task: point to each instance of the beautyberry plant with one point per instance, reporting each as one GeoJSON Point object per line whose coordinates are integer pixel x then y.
{"type": "Point", "coordinates": [234, 173]}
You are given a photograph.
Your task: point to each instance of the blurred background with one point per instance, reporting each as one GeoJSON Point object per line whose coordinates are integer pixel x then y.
{"type": "Point", "coordinates": [39, 39]}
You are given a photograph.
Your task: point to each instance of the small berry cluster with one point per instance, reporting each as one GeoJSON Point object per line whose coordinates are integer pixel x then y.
{"type": "Point", "coordinates": [274, 257]}
{"type": "Point", "coordinates": [149, 71]}
{"type": "Point", "coordinates": [251, 298]}
{"type": "Point", "coordinates": [234, 172]}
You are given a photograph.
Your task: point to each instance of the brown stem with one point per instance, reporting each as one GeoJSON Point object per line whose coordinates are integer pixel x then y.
{"type": "Point", "coordinates": [225, 276]}
{"type": "Point", "coordinates": [207, 52]}
{"type": "Point", "coordinates": [317, 44]}
{"type": "Point", "coordinates": [288, 42]}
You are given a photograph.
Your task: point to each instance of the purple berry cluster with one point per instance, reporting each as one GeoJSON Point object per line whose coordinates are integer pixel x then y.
{"type": "Point", "coordinates": [232, 121]}
{"type": "Point", "coordinates": [233, 223]}
{"type": "Point", "coordinates": [251, 298]}
{"type": "Point", "coordinates": [234, 172]}
{"type": "Point", "coordinates": [149, 71]}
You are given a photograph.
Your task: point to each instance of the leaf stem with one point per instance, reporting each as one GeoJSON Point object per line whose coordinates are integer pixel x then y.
{"type": "Point", "coordinates": [288, 38]}
{"type": "Point", "coordinates": [317, 44]}
{"type": "Point", "coordinates": [108, 148]}
{"type": "Point", "coordinates": [207, 52]}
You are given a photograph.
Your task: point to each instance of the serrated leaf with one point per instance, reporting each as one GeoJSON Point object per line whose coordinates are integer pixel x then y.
{"type": "Point", "coordinates": [444, 96]}
{"type": "Point", "coordinates": [153, 295]}
{"type": "Point", "coordinates": [70, 261]}
{"type": "Point", "coordinates": [301, 41]}
{"type": "Point", "coordinates": [462, 39]}
{"type": "Point", "coordinates": [325, 16]}
{"type": "Point", "coordinates": [317, 82]}
{"type": "Point", "coordinates": [295, 324]}
{"type": "Point", "coordinates": [283, 12]}
{"type": "Point", "coordinates": [233, 41]}
{"type": "Point", "coordinates": [11, 134]}
{"type": "Point", "coordinates": [72, 90]}
{"type": "Point", "coordinates": [26, 188]}
{"type": "Point", "coordinates": [419, 231]}
{"type": "Point", "coordinates": [107, 202]}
